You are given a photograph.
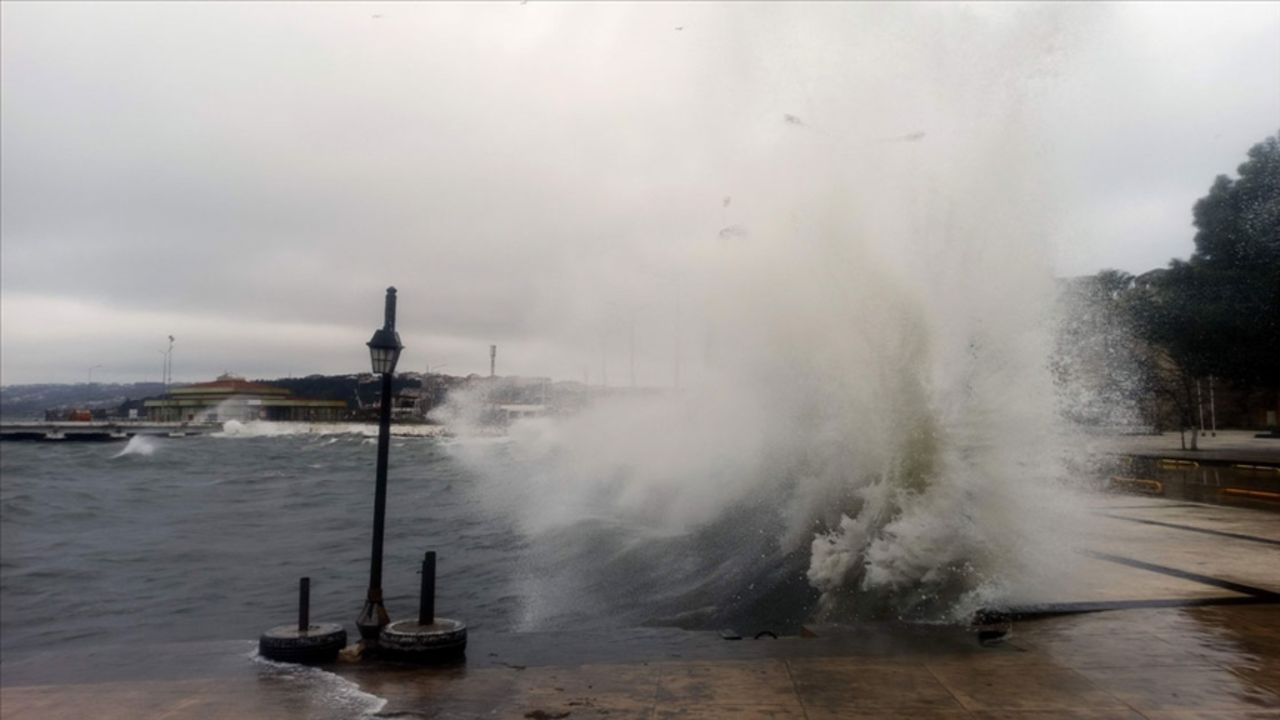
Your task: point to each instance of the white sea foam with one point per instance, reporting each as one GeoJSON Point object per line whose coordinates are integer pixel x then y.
{"type": "Point", "coordinates": [138, 445]}
{"type": "Point", "coordinates": [263, 428]}
{"type": "Point", "coordinates": [326, 694]}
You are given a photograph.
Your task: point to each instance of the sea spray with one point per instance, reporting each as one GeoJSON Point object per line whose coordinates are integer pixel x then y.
{"type": "Point", "coordinates": [867, 426]}
{"type": "Point", "coordinates": [138, 446]}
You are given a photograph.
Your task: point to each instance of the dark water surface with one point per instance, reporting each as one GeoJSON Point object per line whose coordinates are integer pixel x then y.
{"type": "Point", "coordinates": [204, 538]}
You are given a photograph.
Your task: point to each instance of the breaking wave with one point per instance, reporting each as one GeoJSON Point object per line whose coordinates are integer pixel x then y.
{"type": "Point", "coordinates": [138, 445]}
{"type": "Point", "coordinates": [869, 428]}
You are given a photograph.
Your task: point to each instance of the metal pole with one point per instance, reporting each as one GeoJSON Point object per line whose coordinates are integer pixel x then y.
{"type": "Point", "coordinates": [380, 491]}
{"type": "Point", "coordinates": [427, 593]}
{"type": "Point", "coordinates": [1200, 406]}
{"type": "Point", "coordinates": [304, 604]}
{"type": "Point", "coordinates": [676, 381]}
{"type": "Point", "coordinates": [1213, 412]}
{"type": "Point", "coordinates": [168, 364]}
{"type": "Point", "coordinates": [374, 615]}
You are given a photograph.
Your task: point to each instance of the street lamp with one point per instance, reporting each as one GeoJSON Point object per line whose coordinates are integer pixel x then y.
{"type": "Point", "coordinates": [384, 351]}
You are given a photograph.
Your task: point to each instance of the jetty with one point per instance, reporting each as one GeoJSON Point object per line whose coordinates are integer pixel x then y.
{"type": "Point", "coordinates": [104, 430]}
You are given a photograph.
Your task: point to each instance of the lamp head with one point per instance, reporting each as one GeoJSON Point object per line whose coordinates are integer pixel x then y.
{"type": "Point", "coordinates": [384, 350]}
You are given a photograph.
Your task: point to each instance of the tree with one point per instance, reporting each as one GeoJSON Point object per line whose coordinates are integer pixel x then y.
{"type": "Point", "coordinates": [1234, 274]}
{"type": "Point", "coordinates": [1218, 313]}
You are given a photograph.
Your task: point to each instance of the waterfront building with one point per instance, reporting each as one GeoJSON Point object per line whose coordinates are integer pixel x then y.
{"type": "Point", "coordinates": [234, 398]}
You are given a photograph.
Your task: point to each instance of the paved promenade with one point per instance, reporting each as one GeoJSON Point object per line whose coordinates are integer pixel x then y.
{"type": "Point", "coordinates": [1239, 446]}
{"type": "Point", "coordinates": [1193, 632]}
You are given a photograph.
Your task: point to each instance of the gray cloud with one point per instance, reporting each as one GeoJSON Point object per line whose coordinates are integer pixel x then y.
{"type": "Point", "coordinates": [250, 176]}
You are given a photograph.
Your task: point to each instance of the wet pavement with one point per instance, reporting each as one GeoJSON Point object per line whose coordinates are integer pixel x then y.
{"type": "Point", "coordinates": [1234, 467]}
{"type": "Point", "coordinates": [1189, 627]}
{"type": "Point", "coordinates": [1233, 446]}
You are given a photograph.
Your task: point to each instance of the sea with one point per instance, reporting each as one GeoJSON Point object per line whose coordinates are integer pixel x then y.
{"type": "Point", "coordinates": [177, 540]}
{"type": "Point", "coordinates": [162, 552]}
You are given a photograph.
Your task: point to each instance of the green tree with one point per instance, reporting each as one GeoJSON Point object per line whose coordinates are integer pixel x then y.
{"type": "Point", "coordinates": [1218, 313]}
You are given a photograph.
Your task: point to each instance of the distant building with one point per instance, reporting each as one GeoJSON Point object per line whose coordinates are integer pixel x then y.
{"type": "Point", "coordinates": [233, 398]}
{"type": "Point", "coordinates": [511, 413]}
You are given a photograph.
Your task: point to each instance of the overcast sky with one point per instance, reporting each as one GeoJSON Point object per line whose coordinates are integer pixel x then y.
{"type": "Point", "coordinates": [249, 177]}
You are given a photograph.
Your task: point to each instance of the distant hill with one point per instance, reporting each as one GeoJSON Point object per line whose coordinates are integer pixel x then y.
{"type": "Point", "coordinates": [359, 391]}
{"type": "Point", "coordinates": [356, 390]}
{"type": "Point", "coordinates": [28, 402]}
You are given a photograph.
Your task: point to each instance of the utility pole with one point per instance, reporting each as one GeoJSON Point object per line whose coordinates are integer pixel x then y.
{"type": "Point", "coordinates": [493, 360]}
{"type": "Point", "coordinates": [631, 344]}
{"type": "Point", "coordinates": [168, 364]}
{"type": "Point", "coordinates": [1200, 406]}
{"type": "Point", "coordinates": [1213, 412]}
{"type": "Point", "coordinates": [676, 378]}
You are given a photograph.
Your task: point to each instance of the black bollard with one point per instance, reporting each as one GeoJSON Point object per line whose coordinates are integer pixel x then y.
{"type": "Point", "coordinates": [427, 595]}
{"type": "Point", "coordinates": [428, 639]}
{"type": "Point", "coordinates": [304, 604]}
{"type": "Point", "coordinates": [303, 642]}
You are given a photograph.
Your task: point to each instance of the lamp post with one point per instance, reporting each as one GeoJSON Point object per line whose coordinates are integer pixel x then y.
{"type": "Point", "coordinates": [384, 351]}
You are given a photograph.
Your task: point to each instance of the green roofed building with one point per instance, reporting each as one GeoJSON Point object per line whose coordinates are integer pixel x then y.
{"type": "Point", "coordinates": [233, 398]}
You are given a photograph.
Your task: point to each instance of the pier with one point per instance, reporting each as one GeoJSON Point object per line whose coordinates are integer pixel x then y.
{"type": "Point", "coordinates": [42, 430]}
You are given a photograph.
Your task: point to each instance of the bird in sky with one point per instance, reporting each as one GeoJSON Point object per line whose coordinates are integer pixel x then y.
{"type": "Point", "coordinates": [909, 137]}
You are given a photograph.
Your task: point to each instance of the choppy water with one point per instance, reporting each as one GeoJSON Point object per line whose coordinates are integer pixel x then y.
{"type": "Point", "coordinates": [204, 538]}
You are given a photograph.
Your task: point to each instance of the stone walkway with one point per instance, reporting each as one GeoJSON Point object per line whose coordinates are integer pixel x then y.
{"type": "Point", "coordinates": [1221, 662]}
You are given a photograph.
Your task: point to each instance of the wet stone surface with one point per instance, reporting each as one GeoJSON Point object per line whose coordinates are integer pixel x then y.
{"type": "Point", "coordinates": [1150, 659]}
{"type": "Point", "coordinates": [1163, 663]}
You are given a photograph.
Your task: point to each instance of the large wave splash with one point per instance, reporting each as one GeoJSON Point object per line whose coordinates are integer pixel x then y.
{"type": "Point", "coordinates": [863, 451]}
{"type": "Point", "coordinates": [870, 428]}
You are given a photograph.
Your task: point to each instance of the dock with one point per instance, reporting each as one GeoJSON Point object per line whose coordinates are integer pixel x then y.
{"type": "Point", "coordinates": [105, 430]}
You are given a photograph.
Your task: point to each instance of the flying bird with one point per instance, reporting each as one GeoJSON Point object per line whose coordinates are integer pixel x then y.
{"type": "Point", "coordinates": [792, 119]}
{"type": "Point", "coordinates": [909, 137]}
{"type": "Point", "coordinates": [679, 27]}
